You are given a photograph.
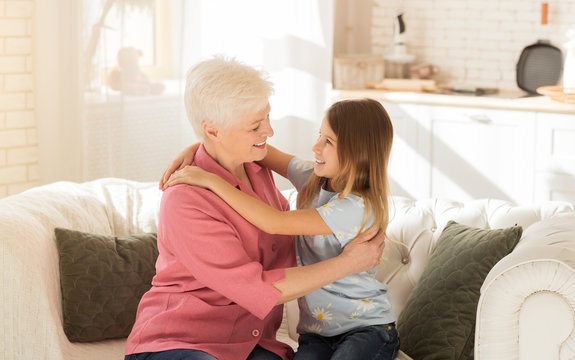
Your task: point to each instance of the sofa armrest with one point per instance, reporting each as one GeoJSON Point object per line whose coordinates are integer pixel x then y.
{"type": "Point", "coordinates": [528, 299]}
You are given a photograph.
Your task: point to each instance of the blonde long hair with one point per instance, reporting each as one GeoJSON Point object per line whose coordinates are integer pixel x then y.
{"type": "Point", "coordinates": [364, 138]}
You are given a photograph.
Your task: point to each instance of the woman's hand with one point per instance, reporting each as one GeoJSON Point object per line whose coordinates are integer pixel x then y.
{"type": "Point", "coordinates": [183, 159]}
{"type": "Point", "coordinates": [191, 175]}
{"type": "Point", "coordinates": [364, 252]}
{"type": "Point", "coordinates": [361, 254]}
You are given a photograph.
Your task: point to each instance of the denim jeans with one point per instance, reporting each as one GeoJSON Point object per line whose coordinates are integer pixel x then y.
{"type": "Point", "coordinates": [376, 342]}
{"type": "Point", "coordinates": [176, 354]}
{"type": "Point", "coordinates": [186, 354]}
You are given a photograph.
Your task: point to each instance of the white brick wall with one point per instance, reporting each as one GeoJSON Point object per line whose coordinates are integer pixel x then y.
{"type": "Point", "coordinates": [476, 42]}
{"type": "Point", "coordinates": [18, 129]}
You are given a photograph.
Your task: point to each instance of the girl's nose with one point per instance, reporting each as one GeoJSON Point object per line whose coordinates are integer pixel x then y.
{"type": "Point", "coordinates": [316, 147]}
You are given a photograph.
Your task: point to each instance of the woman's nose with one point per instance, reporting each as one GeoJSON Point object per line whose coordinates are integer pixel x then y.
{"type": "Point", "coordinates": [267, 128]}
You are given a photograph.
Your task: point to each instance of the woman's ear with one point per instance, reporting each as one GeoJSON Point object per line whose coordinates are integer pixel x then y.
{"type": "Point", "coordinates": [210, 130]}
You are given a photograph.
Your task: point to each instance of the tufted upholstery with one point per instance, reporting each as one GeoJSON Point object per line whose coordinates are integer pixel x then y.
{"type": "Point", "coordinates": [533, 287]}
{"type": "Point", "coordinates": [541, 266]}
{"type": "Point", "coordinates": [416, 225]}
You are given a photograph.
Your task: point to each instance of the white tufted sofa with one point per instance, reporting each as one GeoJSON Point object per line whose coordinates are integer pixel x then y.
{"type": "Point", "coordinates": [526, 309]}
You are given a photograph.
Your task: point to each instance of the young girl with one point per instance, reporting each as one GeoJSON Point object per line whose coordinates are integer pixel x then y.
{"type": "Point", "coordinates": [342, 194]}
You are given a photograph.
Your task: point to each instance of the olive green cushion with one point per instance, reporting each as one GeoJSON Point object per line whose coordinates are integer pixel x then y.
{"type": "Point", "coordinates": [438, 321]}
{"type": "Point", "coordinates": [102, 279]}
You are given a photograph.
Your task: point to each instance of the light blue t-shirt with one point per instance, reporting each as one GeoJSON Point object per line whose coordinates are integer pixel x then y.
{"type": "Point", "coordinates": [354, 301]}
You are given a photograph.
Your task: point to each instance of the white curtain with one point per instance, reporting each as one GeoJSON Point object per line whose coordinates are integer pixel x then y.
{"type": "Point", "coordinates": [132, 129]}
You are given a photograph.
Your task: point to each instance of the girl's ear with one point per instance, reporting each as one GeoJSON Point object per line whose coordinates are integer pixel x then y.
{"type": "Point", "coordinates": [210, 130]}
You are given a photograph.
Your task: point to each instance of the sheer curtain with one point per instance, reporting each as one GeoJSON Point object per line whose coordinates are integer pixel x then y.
{"type": "Point", "coordinates": [125, 88]}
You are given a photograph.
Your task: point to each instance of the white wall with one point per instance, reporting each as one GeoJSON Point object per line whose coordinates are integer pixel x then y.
{"type": "Point", "coordinates": [472, 41]}
{"type": "Point", "coordinates": [352, 26]}
{"type": "Point", "coordinates": [58, 91]}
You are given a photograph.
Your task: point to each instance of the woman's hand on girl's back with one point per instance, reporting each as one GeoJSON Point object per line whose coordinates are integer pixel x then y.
{"type": "Point", "coordinates": [183, 159]}
{"type": "Point", "coordinates": [364, 252]}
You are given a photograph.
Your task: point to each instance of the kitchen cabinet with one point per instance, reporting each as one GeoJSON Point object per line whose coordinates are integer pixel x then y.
{"type": "Point", "coordinates": [481, 153]}
{"type": "Point", "coordinates": [555, 158]}
{"type": "Point", "coordinates": [407, 167]}
{"type": "Point", "coordinates": [464, 148]}
{"type": "Point", "coordinates": [462, 153]}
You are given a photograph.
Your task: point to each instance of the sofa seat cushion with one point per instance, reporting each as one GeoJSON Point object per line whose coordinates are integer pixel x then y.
{"type": "Point", "coordinates": [102, 279]}
{"type": "Point", "coordinates": [438, 320]}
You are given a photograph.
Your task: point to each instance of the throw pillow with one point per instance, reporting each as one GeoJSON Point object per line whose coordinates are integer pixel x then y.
{"type": "Point", "coordinates": [102, 279]}
{"type": "Point", "coordinates": [438, 321]}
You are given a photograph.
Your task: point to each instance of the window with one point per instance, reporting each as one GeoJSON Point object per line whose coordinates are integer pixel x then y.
{"type": "Point", "coordinates": [111, 26]}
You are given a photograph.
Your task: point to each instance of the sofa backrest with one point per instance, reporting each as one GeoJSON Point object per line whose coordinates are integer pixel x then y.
{"type": "Point", "coordinates": [30, 297]}
{"type": "Point", "coordinates": [29, 261]}
{"type": "Point", "coordinates": [415, 226]}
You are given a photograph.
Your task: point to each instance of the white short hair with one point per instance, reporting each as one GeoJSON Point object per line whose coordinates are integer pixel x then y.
{"type": "Point", "coordinates": [221, 91]}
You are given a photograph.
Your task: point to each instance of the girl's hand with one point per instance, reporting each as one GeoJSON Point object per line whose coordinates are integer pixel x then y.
{"type": "Point", "coordinates": [191, 175]}
{"type": "Point", "coordinates": [183, 159]}
{"type": "Point", "coordinates": [364, 252]}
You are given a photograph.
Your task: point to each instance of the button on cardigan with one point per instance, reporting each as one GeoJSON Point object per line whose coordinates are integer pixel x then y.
{"type": "Point", "coordinates": [213, 290]}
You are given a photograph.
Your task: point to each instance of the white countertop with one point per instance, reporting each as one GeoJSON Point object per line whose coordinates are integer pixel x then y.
{"type": "Point", "coordinates": [534, 103]}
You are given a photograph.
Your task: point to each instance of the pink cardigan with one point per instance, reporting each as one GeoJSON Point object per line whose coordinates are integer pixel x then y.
{"type": "Point", "coordinates": [213, 286]}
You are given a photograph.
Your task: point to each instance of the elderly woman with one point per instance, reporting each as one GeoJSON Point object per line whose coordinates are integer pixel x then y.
{"type": "Point", "coordinates": [220, 281]}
